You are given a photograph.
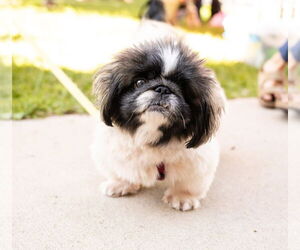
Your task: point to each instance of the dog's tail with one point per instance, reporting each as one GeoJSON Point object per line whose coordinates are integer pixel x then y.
{"type": "Point", "coordinates": [155, 10]}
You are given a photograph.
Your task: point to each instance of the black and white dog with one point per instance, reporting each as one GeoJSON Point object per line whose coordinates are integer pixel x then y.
{"type": "Point", "coordinates": [161, 109]}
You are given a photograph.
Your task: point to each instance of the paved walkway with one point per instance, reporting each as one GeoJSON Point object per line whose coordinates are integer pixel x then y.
{"type": "Point", "coordinates": [56, 204]}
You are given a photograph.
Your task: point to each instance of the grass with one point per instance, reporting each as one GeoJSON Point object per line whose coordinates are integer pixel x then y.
{"type": "Point", "coordinates": [37, 93]}
{"type": "Point", "coordinates": [5, 91]}
{"type": "Point", "coordinates": [106, 7]}
{"type": "Point", "coordinates": [238, 79]}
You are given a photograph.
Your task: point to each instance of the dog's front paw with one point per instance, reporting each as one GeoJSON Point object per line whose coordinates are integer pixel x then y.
{"type": "Point", "coordinates": [182, 201]}
{"type": "Point", "coordinates": [117, 188]}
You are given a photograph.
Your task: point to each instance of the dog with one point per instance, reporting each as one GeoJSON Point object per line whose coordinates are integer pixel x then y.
{"type": "Point", "coordinates": [160, 110]}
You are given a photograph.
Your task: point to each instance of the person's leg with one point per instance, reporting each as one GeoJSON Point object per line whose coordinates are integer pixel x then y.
{"type": "Point", "coordinates": [215, 7]}
{"type": "Point", "coordinates": [192, 16]}
{"type": "Point", "coordinates": [272, 79]}
{"type": "Point", "coordinates": [283, 50]}
{"type": "Point", "coordinates": [171, 8]}
{"type": "Point", "coordinates": [198, 4]}
{"type": "Point", "coordinates": [296, 51]}
{"type": "Point", "coordinates": [294, 77]}
{"type": "Point", "coordinates": [294, 59]}
{"type": "Point", "coordinates": [278, 60]}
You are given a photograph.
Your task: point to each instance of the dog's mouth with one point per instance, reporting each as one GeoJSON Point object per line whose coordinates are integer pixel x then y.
{"type": "Point", "coordinates": [156, 108]}
{"type": "Point", "coordinates": [161, 106]}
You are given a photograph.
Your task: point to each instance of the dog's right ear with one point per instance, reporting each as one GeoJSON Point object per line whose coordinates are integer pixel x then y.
{"type": "Point", "coordinates": [105, 87]}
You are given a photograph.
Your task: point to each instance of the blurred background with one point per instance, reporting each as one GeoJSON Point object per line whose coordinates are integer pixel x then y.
{"type": "Point", "coordinates": [47, 161]}
{"type": "Point", "coordinates": [234, 36]}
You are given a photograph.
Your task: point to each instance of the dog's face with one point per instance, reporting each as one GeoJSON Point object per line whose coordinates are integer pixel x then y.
{"type": "Point", "coordinates": [162, 78]}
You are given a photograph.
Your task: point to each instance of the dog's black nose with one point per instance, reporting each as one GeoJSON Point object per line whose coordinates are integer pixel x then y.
{"type": "Point", "coordinates": [162, 90]}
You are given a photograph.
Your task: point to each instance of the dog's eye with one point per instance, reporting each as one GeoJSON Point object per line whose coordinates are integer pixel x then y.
{"type": "Point", "coordinates": [139, 83]}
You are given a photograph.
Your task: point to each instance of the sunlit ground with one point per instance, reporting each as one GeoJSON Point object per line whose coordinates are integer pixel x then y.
{"type": "Point", "coordinates": [79, 43]}
{"type": "Point", "coordinates": [83, 41]}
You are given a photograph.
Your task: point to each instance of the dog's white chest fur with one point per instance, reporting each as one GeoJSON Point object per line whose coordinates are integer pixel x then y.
{"type": "Point", "coordinates": [119, 156]}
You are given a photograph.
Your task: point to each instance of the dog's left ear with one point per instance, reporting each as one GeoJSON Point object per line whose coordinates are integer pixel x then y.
{"type": "Point", "coordinates": [207, 105]}
{"type": "Point", "coordinates": [105, 89]}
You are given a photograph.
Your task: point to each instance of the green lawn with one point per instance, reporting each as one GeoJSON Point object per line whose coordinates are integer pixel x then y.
{"type": "Point", "coordinates": [109, 7]}
{"type": "Point", "coordinates": [37, 93]}
{"type": "Point", "coordinates": [5, 91]}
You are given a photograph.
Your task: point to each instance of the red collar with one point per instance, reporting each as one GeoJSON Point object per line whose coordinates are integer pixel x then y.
{"type": "Point", "coordinates": [161, 171]}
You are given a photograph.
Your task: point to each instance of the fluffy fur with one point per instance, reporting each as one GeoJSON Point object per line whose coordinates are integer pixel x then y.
{"type": "Point", "coordinates": [159, 104]}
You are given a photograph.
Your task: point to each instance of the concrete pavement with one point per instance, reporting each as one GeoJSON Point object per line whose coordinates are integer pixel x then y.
{"type": "Point", "coordinates": [56, 204]}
